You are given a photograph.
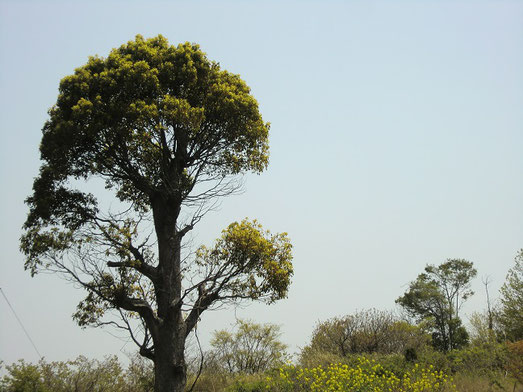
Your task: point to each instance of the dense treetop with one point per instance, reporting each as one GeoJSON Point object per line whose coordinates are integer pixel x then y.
{"type": "Point", "coordinates": [150, 117]}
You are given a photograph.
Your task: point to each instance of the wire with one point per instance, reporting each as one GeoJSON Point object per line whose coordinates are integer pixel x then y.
{"type": "Point", "coordinates": [22, 325]}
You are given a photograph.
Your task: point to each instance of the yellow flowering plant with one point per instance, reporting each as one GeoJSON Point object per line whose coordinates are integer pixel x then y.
{"type": "Point", "coordinates": [366, 376]}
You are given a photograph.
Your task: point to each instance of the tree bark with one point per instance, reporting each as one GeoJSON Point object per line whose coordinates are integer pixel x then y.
{"type": "Point", "coordinates": [170, 369]}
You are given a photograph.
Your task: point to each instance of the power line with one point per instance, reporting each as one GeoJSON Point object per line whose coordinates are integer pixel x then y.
{"type": "Point", "coordinates": [22, 325]}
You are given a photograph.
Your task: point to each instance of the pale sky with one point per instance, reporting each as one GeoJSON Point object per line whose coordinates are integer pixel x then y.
{"type": "Point", "coordinates": [396, 141]}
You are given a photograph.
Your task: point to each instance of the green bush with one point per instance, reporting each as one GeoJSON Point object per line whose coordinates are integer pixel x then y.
{"type": "Point", "coordinates": [247, 386]}
{"type": "Point", "coordinates": [484, 358]}
{"type": "Point", "coordinates": [79, 375]}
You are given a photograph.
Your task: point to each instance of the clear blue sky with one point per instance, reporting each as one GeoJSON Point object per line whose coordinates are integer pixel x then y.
{"type": "Point", "coordinates": [396, 141]}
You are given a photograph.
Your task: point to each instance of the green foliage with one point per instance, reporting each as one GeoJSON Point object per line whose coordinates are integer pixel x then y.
{"type": "Point", "coordinates": [435, 298]}
{"type": "Point", "coordinates": [451, 335]}
{"type": "Point", "coordinates": [370, 331]}
{"type": "Point", "coordinates": [248, 262]}
{"type": "Point", "coordinates": [484, 330]}
{"type": "Point", "coordinates": [148, 114]}
{"type": "Point", "coordinates": [214, 378]}
{"type": "Point", "coordinates": [473, 382]}
{"type": "Point", "coordinates": [478, 367]}
{"type": "Point", "coordinates": [486, 358]}
{"type": "Point", "coordinates": [511, 312]}
{"type": "Point", "coordinates": [483, 367]}
{"type": "Point", "coordinates": [23, 377]}
{"type": "Point", "coordinates": [79, 375]}
{"type": "Point", "coordinates": [253, 348]}
{"type": "Point", "coordinates": [514, 363]}
{"type": "Point", "coordinates": [247, 385]}
{"type": "Point", "coordinates": [140, 374]}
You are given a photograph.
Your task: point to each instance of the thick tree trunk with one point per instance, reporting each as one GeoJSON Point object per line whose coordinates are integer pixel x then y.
{"type": "Point", "coordinates": [167, 378]}
{"type": "Point", "coordinates": [169, 343]}
{"type": "Point", "coordinates": [170, 371]}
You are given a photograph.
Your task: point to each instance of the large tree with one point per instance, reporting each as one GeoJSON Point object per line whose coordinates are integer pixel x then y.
{"type": "Point", "coordinates": [168, 132]}
{"type": "Point", "coordinates": [435, 298]}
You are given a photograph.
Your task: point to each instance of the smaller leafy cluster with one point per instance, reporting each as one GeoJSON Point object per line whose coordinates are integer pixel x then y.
{"type": "Point", "coordinates": [247, 262]}
{"type": "Point", "coordinates": [251, 349]}
{"type": "Point", "coordinates": [366, 376]}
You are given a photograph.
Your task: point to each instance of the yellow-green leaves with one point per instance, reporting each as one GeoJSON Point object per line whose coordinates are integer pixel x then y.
{"type": "Point", "coordinates": [179, 111]}
{"type": "Point", "coordinates": [150, 112]}
{"type": "Point", "coordinates": [166, 130]}
{"type": "Point", "coordinates": [253, 348]}
{"type": "Point", "coordinates": [249, 262]}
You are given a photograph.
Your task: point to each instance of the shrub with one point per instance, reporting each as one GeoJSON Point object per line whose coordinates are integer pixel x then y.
{"type": "Point", "coordinates": [481, 358]}
{"type": "Point", "coordinates": [80, 375]}
{"type": "Point", "coordinates": [364, 332]}
{"type": "Point", "coordinates": [514, 363]}
{"type": "Point", "coordinates": [253, 348]}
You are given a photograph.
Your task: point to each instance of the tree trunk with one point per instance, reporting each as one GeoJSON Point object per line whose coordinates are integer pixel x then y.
{"type": "Point", "coordinates": [170, 370]}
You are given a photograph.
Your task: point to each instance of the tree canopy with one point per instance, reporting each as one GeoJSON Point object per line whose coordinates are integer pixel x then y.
{"type": "Point", "coordinates": [435, 298]}
{"type": "Point", "coordinates": [167, 131]}
{"type": "Point", "coordinates": [149, 119]}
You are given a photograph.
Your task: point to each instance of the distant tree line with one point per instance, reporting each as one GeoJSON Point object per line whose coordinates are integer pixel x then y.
{"type": "Point", "coordinates": [79, 375]}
